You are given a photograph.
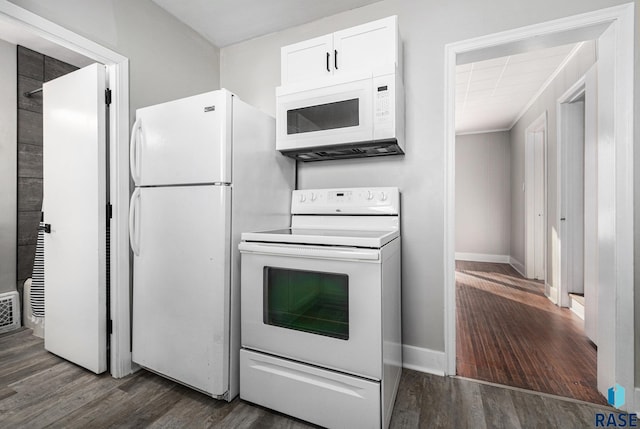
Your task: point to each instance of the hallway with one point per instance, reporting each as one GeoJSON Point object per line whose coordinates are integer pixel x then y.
{"type": "Point", "coordinates": [509, 333]}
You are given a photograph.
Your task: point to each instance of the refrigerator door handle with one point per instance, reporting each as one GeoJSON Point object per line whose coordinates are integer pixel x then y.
{"type": "Point", "coordinates": [134, 222]}
{"type": "Point", "coordinates": [134, 152]}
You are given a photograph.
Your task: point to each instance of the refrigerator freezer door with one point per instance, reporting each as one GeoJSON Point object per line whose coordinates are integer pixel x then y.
{"type": "Point", "coordinates": [181, 284]}
{"type": "Point", "coordinates": [186, 141]}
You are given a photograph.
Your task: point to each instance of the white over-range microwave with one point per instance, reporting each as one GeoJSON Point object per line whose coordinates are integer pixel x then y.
{"type": "Point", "coordinates": [354, 115]}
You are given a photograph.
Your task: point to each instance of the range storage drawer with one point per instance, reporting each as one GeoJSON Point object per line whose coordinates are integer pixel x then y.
{"type": "Point", "coordinates": [319, 396]}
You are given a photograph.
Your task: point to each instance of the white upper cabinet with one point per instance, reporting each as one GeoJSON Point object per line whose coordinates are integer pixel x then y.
{"type": "Point", "coordinates": [307, 60]}
{"type": "Point", "coordinates": [359, 48]}
{"type": "Point", "coordinates": [366, 46]}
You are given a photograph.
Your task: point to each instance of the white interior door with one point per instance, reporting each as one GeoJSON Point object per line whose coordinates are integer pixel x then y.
{"type": "Point", "coordinates": [74, 117]}
{"type": "Point", "coordinates": [538, 205]}
{"type": "Point", "coordinates": [571, 200]}
{"type": "Point", "coordinates": [535, 202]}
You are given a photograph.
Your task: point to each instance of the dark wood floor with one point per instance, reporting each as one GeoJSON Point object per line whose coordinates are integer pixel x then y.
{"type": "Point", "coordinates": [509, 333]}
{"type": "Point", "coordinates": [38, 389]}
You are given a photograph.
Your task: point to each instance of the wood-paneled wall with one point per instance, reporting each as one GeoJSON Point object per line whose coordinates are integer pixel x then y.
{"type": "Point", "coordinates": [33, 70]}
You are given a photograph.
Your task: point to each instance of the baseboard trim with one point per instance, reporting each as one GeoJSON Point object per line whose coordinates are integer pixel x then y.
{"type": "Point", "coordinates": [577, 308]}
{"type": "Point", "coordinates": [482, 257]}
{"type": "Point", "coordinates": [423, 360]}
{"type": "Point", "coordinates": [552, 293]}
{"type": "Point", "coordinates": [517, 265]}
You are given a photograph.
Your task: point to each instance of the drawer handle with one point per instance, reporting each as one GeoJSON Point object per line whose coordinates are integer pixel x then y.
{"type": "Point", "coordinates": [300, 376]}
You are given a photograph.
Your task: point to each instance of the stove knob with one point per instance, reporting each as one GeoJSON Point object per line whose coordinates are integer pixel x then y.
{"type": "Point", "coordinates": [370, 195]}
{"type": "Point", "coordinates": [383, 196]}
{"type": "Point", "coordinates": [303, 198]}
{"type": "Point", "coordinates": [313, 196]}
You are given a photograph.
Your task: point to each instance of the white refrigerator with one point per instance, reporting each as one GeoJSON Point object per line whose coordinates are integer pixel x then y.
{"type": "Point", "coordinates": [205, 170]}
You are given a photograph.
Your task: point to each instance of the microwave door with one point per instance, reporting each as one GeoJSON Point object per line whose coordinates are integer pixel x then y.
{"type": "Point", "coordinates": [324, 116]}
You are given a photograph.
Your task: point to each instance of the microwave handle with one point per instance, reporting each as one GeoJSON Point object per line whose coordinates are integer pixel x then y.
{"type": "Point", "coordinates": [328, 55]}
{"type": "Point", "coordinates": [335, 58]}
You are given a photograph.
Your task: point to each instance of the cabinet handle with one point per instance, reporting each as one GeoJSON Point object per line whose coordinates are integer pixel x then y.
{"type": "Point", "coordinates": [335, 58]}
{"type": "Point", "coordinates": [328, 55]}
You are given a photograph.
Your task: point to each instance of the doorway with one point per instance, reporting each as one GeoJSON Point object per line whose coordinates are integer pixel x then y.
{"type": "Point", "coordinates": [578, 200]}
{"type": "Point", "coordinates": [33, 26]}
{"type": "Point", "coordinates": [535, 190]}
{"type": "Point", "coordinates": [613, 28]}
{"type": "Point", "coordinates": [508, 332]}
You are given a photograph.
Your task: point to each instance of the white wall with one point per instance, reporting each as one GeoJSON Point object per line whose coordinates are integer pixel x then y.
{"type": "Point", "coordinates": [167, 59]}
{"type": "Point", "coordinates": [8, 165]}
{"type": "Point", "coordinates": [252, 69]}
{"type": "Point", "coordinates": [483, 194]}
{"type": "Point", "coordinates": [573, 71]}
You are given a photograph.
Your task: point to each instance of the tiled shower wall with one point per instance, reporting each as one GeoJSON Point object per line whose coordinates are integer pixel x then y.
{"type": "Point", "coordinates": [33, 69]}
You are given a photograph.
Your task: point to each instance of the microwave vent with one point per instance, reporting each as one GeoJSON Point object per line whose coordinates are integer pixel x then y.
{"type": "Point", "coordinates": [353, 150]}
{"type": "Point", "coordinates": [341, 153]}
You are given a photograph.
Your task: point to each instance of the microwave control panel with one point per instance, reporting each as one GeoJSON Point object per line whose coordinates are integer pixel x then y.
{"type": "Point", "coordinates": [383, 103]}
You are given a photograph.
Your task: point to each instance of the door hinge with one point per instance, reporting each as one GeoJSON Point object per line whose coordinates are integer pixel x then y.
{"type": "Point", "coordinates": [109, 211]}
{"type": "Point", "coordinates": [109, 326]}
{"type": "Point", "coordinates": [107, 96]}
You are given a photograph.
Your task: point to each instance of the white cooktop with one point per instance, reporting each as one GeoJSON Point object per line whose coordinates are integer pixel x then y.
{"type": "Point", "coordinates": [328, 237]}
{"type": "Point", "coordinates": [354, 217]}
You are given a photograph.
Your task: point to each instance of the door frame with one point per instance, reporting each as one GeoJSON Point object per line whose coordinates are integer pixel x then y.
{"type": "Point", "coordinates": [619, 248]}
{"type": "Point", "coordinates": [561, 258]}
{"type": "Point", "coordinates": [539, 124]}
{"type": "Point", "coordinates": [118, 81]}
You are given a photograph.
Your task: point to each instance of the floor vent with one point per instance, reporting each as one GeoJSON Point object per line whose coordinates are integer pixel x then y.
{"type": "Point", "coordinates": [9, 312]}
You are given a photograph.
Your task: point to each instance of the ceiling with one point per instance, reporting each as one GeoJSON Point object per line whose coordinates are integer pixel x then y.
{"type": "Point", "coordinates": [492, 95]}
{"type": "Point", "coordinates": [225, 22]}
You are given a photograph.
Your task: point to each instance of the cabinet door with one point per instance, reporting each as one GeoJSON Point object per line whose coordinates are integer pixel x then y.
{"type": "Point", "coordinates": [366, 46]}
{"type": "Point", "coordinates": [307, 60]}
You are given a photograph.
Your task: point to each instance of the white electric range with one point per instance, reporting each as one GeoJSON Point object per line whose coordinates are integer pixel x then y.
{"type": "Point", "coordinates": [321, 318]}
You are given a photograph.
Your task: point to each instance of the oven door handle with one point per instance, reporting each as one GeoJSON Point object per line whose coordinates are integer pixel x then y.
{"type": "Point", "coordinates": [311, 251]}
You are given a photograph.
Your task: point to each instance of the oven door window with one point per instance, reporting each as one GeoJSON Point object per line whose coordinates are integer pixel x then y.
{"type": "Point", "coordinates": [307, 301]}
{"type": "Point", "coordinates": [329, 116]}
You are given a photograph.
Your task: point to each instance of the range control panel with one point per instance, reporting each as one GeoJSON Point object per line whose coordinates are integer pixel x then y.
{"type": "Point", "coordinates": [348, 201]}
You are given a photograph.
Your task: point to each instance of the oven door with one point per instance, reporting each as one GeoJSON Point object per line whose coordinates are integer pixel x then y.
{"type": "Point", "coordinates": [315, 304]}
{"type": "Point", "coordinates": [321, 117]}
